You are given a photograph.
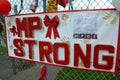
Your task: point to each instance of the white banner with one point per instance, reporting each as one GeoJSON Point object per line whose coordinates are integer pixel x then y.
{"type": "Point", "coordinates": [78, 39]}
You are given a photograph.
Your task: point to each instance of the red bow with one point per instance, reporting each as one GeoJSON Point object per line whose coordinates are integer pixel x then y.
{"type": "Point", "coordinates": [13, 30]}
{"type": "Point", "coordinates": [52, 25]}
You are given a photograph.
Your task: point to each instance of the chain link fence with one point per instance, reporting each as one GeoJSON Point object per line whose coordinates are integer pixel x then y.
{"type": "Point", "coordinates": [13, 69]}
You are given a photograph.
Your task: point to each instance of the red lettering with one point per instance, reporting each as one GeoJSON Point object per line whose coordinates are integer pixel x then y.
{"type": "Point", "coordinates": [45, 49]}
{"type": "Point", "coordinates": [66, 53]}
{"type": "Point", "coordinates": [19, 51]}
{"type": "Point", "coordinates": [34, 23]}
{"type": "Point", "coordinates": [30, 47]}
{"type": "Point", "coordinates": [28, 25]}
{"type": "Point", "coordinates": [79, 53]}
{"type": "Point", "coordinates": [108, 59]}
{"type": "Point", "coordinates": [22, 25]}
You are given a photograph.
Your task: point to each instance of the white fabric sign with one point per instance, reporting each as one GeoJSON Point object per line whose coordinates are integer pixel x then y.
{"type": "Point", "coordinates": [76, 39]}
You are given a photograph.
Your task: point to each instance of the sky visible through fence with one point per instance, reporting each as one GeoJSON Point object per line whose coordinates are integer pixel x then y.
{"type": "Point", "coordinates": [76, 5]}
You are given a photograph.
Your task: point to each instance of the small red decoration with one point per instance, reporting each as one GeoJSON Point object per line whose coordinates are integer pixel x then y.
{"type": "Point", "coordinates": [5, 7]}
{"type": "Point", "coordinates": [63, 2]}
{"type": "Point", "coordinates": [42, 73]}
{"type": "Point", "coordinates": [13, 30]}
{"type": "Point", "coordinates": [32, 7]}
{"type": "Point", "coordinates": [52, 24]}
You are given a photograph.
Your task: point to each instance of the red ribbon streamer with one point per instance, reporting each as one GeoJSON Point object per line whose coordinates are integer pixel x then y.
{"type": "Point", "coordinates": [52, 25]}
{"type": "Point", "coordinates": [42, 73]}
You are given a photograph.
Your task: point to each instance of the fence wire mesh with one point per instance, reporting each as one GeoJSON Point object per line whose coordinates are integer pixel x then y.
{"type": "Point", "coordinates": [13, 69]}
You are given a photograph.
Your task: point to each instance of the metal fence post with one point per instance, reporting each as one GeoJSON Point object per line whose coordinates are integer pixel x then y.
{"type": "Point", "coordinates": [13, 60]}
{"type": "Point", "coordinates": [44, 10]}
{"type": "Point", "coordinates": [44, 5]}
{"type": "Point", "coordinates": [70, 5]}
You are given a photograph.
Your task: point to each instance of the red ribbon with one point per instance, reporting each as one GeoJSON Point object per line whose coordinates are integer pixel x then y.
{"type": "Point", "coordinates": [42, 73]}
{"type": "Point", "coordinates": [52, 24]}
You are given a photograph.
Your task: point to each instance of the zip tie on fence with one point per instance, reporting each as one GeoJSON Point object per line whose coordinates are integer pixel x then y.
{"type": "Point", "coordinates": [42, 73]}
